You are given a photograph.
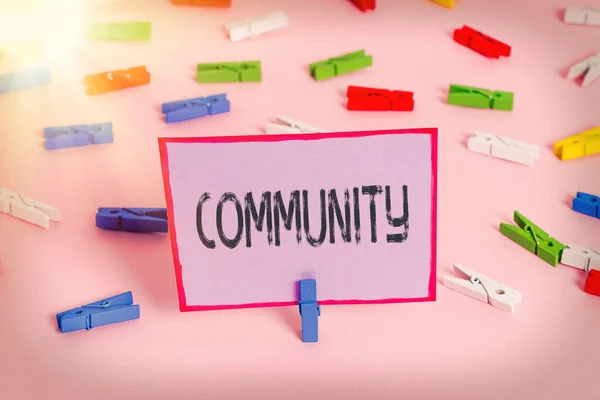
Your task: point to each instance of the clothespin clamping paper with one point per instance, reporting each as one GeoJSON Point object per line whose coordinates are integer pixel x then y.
{"type": "Point", "coordinates": [133, 219]}
{"type": "Point", "coordinates": [503, 148]}
{"type": "Point", "coordinates": [587, 204]}
{"type": "Point", "coordinates": [24, 79]}
{"type": "Point", "coordinates": [120, 31]}
{"type": "Point", "coordinates": [364, 5]}
{"type": "Point", "coordinates": [369, 99]}
{"type": "Point", "coordinates": [481, 43]}
{"type": "Point", "coordinates": [202, 3]}
{"type": "Point", "coordinates": [582, 15]}
{"type": "Point", "coordinates": [444, 3]}
{"type": "Point", "coordinates": [468, 96]}
{"type": "Point", "coordinates": [245, 71]}
{"type": "Point", "coordinates": [110, 81]}
{"type": "Point", "coordinates": [532, 238]}
{"type": "Point", "coordinates": [185, 110]}
{"type": "Point", "coordinates": [114, 309]}
{"type": "Point", "coordinates": [309, 310]}
{"type": "Point", "coordinates": [588, 68]}
{"type": "Point", "coordinates": [77, 136]}
{"type": "Point", "coordinates": [287, 125]}
{"type": "Point", "coordinates": [253, 27]}
{"type": "Point", "coordinates": [483, 289]}
{"type": "Point", "coordinates": [582, 258]}
{"type": "Point", "coordinates": [27, 209]}
{"type": "Point", "coordinates": [340, 65]}
{"type": "Point", "coordinates": [580, 145]}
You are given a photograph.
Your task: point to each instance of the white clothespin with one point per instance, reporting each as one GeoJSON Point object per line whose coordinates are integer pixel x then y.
{"type": "Point", "coordinates": [252, 27]}
{"type": "Point", "coordinates": [589, 68]}
{"type": "Point", "coordinates": [583, 15]}
{"type": "Point", "coordinates": [484, 289]}
{"type": "Point", "coordinates": [503, 148]}
{"type": "Point", "coordinates": [27, 209]}
{"type": "Point", "coordinates": [580, 257]}
{"type": "Point", "coordinates": [287, 125]}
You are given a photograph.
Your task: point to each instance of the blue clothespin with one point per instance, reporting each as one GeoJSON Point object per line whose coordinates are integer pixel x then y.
{"type": "Point", "coordinates": [309, 310]}
{"type": "Point", "coordinates": [24, 79]}
{"type": "Point", "coordinates": [587, 204]}
{"type": "Point", "coordinates": [115, 309]}
{"type": "Point", "coordinates": [184, 110]}
{"type": "Point", "coordinates": [77, 135]}
{"type": "Point", "coordinates": [133, 219]}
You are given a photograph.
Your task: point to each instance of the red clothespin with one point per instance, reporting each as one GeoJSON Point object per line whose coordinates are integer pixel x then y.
{"type": "Point", "coordinates": [481, 43]}
{"type": "Point", "coordinates": [592, 283]}
{"type": "Point", "coordinates": [369, 99]}
{"type": "Point", "coordinates": [364, 5]}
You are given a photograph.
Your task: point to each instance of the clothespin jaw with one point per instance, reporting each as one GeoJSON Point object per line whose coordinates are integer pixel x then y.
{"type": "Point", "coordinates": [202, 3]}
{"type": "Point", "coordinates": [588, 68]}
{"type": "Point", "coordinates": [112, 310]}
{"type": "Point", "coordinates": [587, 204]}
{"type": "Point", "coordinates": [111, 81]}
{"type": "Point", "coordinates": [364, 5]}
{"type": "Point", "coordinates": [133, 219]}
{"type": "Point", "coordinates": [444, 3]}
{"type": "Point", "coordinates": [340, 65]}
{"type": "Point", "coordinates": [481, 43]}
{"type": "Point", "coordinates": [592, 283]}
{"type": "Point", "coordinates": [245, 71]}
{"type": "Point", "coordinates": [468, 96]}
{"type": "Point", "coordinates": [24, 79]}
{"type": "Point", "coordinates": [370, 99]}
{"type": "Point", "coordinates": [120, 31]}
{"type": "Point", "coordinates": [583, 144]}
{"type": "Point", "coordinates": [309, 310]}
{"type": "Point", "coordinates": [77, 135]}
{"type": "Point", "coordinates": [582, 258]}
{"type": "Point", "coordinates": [27, 209]}
{"type": "Point", "coordinates": [185, 110]}
{"type": "Point", "coordinates": [532, 238]}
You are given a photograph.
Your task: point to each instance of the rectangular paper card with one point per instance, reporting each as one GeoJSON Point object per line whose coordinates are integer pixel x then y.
{"type": "Point", "coordinates": [250, 216]}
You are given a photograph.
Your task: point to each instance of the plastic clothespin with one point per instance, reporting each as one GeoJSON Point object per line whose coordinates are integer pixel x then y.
{"type": "Point", "coordinates": [77, 136]}
{"type": "Point", "coordinates": [309, 310]}
{"type": "Point", "coordinates": [503, 148]}
{"type": "Point", "coordinates": [580, 145]}
{"type": "Point", "coordinates": [129, 31]}
{"type": "Point", "coordinates": [532, 238]}
{"type": "Point", "coordinates": [114, 309]}
{"type": "Point", "coordinates": [370, 99]}
{"type": "Point", "coordinates": [588, 68]}
{"type": "Point", "coordinates": [364, 5]}
{"type": "Point", "coordinates": [27, 209]}
{"type": "Point", "coordinates": [287, 125]}
{"type": "Point", "coordinates": [481, 43]}
{"type": "Point", "coordinates": [582, 258]}
{"type": "Point", "coordinates": [582, 16]}
{"type": "Point", "coordinates": [340, 65]}
{"type": "Point", "coordinates": [203, 3]}
{"type": "Point", "coordinates": [468, 96]}
{"type": "Point", "coordinates": [483, 289]}
{"type": "Point", "coordinates": [253, 27]}
{"type": "Point", "coordinates": [244, 71]}
{"type": "Point", "coordinates": [24, 79]}
{"type": "Point", "coordinates": [133, 219]}
{"type": "Point", "coordinates": [592, 283]}
{"type": "Point", "coordinates": [587, 204]}
{"type": "Point", "coordinates": [185, 110]}
{"type": "Point", "coordinates": [111, 81]}
{"type": "Point", "coordinates": [444, 3]}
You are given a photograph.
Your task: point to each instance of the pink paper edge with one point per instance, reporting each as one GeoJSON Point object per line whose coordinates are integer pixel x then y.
{"type": "Point", "coordinates": [162, 144]}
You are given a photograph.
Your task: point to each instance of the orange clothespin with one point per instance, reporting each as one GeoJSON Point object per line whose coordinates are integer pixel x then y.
{"type": "Point", "coordinates": [204, 3]}
{"type": "Point", "coordinates": [110, 81]}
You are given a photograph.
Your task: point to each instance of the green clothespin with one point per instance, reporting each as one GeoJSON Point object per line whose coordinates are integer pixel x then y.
{"type": "Point", "coordinates": [245, 71]}
{"type": "Point", "coordinates": [532, 238]}
{"type": "Point", "coordinates": [480, 98]}
{"type": "Point", "coordinates": [340, 65]}
{"type": "Point", "coordinates": [120, 31]}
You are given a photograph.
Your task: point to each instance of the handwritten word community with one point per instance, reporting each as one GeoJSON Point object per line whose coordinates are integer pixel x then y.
{"type": "Point", "coordinates": [273, 213]}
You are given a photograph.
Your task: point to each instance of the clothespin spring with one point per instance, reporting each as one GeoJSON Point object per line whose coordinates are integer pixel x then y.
{"type": "Point", "coordinates": [111, 75]}
{"type": "Point", "coordinates": [535, 238]}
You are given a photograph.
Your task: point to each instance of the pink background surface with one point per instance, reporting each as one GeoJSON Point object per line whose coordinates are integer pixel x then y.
{"type": "Point", "coordinates": [454, 348]}
{"type": "Point", "coordinates": [268, 273]}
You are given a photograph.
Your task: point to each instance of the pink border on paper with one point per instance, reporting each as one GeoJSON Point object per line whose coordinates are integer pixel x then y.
{"type": "Point", "coordinates": [183, 306]}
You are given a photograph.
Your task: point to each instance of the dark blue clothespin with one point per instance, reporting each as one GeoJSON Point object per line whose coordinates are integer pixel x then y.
{"type": "Point", "coordinates": [103, 312]}
{"type": "Point", "coordinates": [24, 79]}
{"type": "Point", "coordinates": [77, 135]}
{"type": "Point", "coordinates": [587, 204]}
{"type": "Point", "coordinates": [184, 110]}
{"type": "Point", "coordinates": [133, 219]}
{"type": "Point", "coordinates": [309, 310]}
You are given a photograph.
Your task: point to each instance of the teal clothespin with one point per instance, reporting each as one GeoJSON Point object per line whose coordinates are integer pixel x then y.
{"type": "Point", "coordinates": [533, 239]}
{"type": "Point", "coordinates": [340, 65]}
{"type": "Point", "coordinates": [245, 71]}
{"type": "Point", "coordinates": [480, 98]}
{"type": "Point", "coordinates": [120, 31]}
